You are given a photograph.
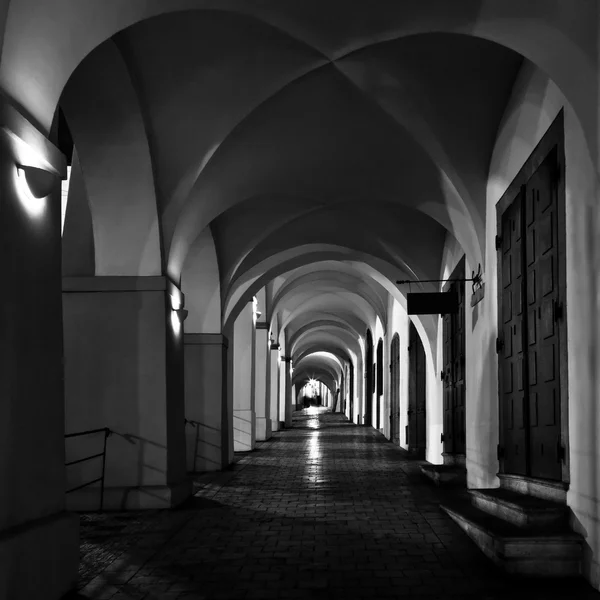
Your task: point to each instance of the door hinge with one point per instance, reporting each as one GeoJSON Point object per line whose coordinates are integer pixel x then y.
{"type": "Point", "coordinates": [441, 437]}
{"type": "Point", "coordinates": [498, 242]}
{"type": "Point", "coordinates": [499, 452]}
{"type": "Point", "coordinates": [560, 451]}
{"type": "Point", "coordinates": [499, 345]}
{"type": "Point", "coordinates": [558, 310]}
{"type": "Point", "coordinates": [443, 375]}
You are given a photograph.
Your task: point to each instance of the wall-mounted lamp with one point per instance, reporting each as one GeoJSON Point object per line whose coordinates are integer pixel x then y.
{"type": "Point", "coordinates": [33, 185]}
{"type": "Point", "coordinates": [179, 314]}
{"type": "Point", "coordinates": [182, 313]}
{"type": "Point", "coordinates": [39, 182]}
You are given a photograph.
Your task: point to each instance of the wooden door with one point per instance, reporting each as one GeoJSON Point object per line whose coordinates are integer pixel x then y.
{"type": "Point", "coordinates": [379, 390]}
{"type": "Point", "coordinates": [512, 401]}
{"type": "Point", "coordinates": [395, 390]}
{"type": "Point", "coordinates": [530, 403]}
{"type": "Point", "coordinates": [542, 334]}
{"type": "Point", "coordinates": [448, 386]}
{"type": "Point", "coordinates": [458, 366]}
{"type": "Point", "coordinates": [453, 335]}
{"type": "Point", "coordinates": [416, 394]}
{"type": "Point", "coordinates": [369, 377]}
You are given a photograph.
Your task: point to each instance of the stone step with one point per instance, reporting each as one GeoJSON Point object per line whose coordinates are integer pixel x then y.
{"type": "Point", "coordinates": [445, 475]}
{"type": "Point", "coordinates": [521, 510]}
{"type": "Point", "coordinates": [517, 551]}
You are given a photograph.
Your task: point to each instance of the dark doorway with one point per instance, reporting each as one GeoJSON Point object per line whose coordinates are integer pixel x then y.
{"type": "Point", "coordinates": [416, 395]}
{"type": "Point", "coordinates": [454, 373]}
{"type": "Point", "coordinates": [379, 392]}
{"type": "Point", "coordinates": [369, 381]}
{"type": "Point", "coordinates": [395, 390]}
{"type": "Point", "coordinates": [531, 322]}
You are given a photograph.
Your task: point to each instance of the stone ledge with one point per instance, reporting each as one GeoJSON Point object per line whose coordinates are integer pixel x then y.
{"type": "Point", "coordinates": [515, 551]}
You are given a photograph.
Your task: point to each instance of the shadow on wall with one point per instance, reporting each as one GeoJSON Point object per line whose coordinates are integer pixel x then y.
{"type": "Point", "coordinates": [200, 450]}
{"type": "Point", "coordinates": [484, 422]}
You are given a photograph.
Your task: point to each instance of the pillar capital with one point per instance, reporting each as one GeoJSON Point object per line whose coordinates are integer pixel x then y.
{"type": "Point", "coordinates": [262, 325]}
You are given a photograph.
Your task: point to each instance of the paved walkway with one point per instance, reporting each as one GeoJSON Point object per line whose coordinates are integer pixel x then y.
{"type": "Point", "coordinates": [326, 510]}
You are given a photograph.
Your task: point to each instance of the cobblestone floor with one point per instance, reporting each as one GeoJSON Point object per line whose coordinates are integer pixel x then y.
{"type": "Point", "coordinates": [326, 510]}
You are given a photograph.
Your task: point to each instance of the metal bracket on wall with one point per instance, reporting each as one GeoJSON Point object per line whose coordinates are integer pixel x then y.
{"type": "Point", "coordinates": [476, 279]}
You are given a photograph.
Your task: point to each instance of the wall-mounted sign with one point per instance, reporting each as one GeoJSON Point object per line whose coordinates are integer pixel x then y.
{"type": "Point", "coordinates": [435, 303]}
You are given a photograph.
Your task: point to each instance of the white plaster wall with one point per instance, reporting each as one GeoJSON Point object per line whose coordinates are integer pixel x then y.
{"type": "Point", "coordinates": [104, 116]}
{"type": "Point", "coordinates": [116, 377]}
{"type": "Point", "coordinates": [379, 334]}
{"type": "Point", "coordinates": [244, 426]}
{"type": "Point", "coordinates": [204, 405]}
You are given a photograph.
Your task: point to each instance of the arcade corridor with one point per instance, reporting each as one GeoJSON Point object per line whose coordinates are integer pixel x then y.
{"type": "Point", "coordinates": [325, 510]}
{"type": "Point", "coordinates": [216, 214]}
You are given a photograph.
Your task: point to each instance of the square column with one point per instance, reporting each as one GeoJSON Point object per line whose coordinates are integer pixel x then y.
{"type": "Point", "coordinates": [287, 373]}
{"type": "Point", "coordinates": [209, 422]}
{"type": "Point", "coordinates": [39, 540]}
{"type": "Point", "coordinates": [123, 346]}
{"type": "Point", "coordinates": [244, 412]}
{"type": "Point", "coordinates": [274, 386]}
{"type": "Point", "coordinates": [261, 378]}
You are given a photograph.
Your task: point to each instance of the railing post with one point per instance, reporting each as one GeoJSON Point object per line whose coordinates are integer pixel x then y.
{"type": "Point", "coordinates": [106, 434]}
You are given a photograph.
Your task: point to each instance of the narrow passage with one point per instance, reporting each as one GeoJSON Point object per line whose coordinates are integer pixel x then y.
{"type": "Point", "coordinates": [325, 510]}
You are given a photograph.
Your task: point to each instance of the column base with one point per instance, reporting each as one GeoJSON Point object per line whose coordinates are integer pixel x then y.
{"type": "Point", "coordinates": [131, 498]}
{"type": "Point", "coordinates": [263, 429]}
{"type": "Point", "coordinates": [39, 560]}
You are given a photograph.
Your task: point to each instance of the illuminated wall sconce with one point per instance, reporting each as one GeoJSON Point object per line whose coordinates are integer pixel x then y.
{"type": "Point", "coordinates": [179, 314]}
{"type": "Point", "coordinates": [33, 186]}
{"type": "Point", "coordinates": [182, 313]}
{"type": "Point", "coordinates": [39, 182]}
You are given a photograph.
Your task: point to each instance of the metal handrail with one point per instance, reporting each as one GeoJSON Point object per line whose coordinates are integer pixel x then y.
{"type": "Point", "coordinates": [102, 454]}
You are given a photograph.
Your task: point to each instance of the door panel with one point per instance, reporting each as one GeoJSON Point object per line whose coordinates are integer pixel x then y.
{"type": "Point", "coordinates": [454, 370]}
{"type": "Point", "coordinates": [513, 393]}
{"type": "Point", "coordinates": [448, 386]}
{"type": "Point", "coordinates": [543, 347]}
{"type": "Point", "coordinates": [529, 364]}
{"type": "Point", "coordinates": [417, 440]}
{"type": "Point", "coordinates": [395, 390]}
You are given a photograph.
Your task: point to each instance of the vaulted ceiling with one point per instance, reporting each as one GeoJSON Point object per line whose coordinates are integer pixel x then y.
{"type": "Point", "coordinates": [332, 149]}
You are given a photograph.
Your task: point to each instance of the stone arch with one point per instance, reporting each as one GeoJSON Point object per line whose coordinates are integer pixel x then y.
{"type": "Point", "coordinates": [104, 116]}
